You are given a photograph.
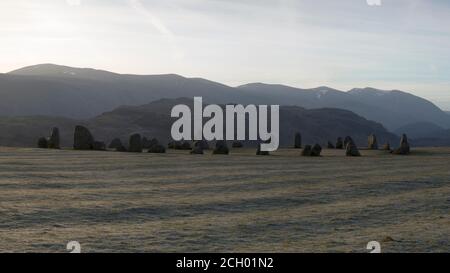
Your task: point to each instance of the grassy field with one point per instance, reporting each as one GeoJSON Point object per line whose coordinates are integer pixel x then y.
{"type": "Point", "coordinates": [176, 202]}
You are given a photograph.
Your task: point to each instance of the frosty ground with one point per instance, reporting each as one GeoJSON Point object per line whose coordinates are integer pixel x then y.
{"type": "Point", "coordinates": [176, 202]}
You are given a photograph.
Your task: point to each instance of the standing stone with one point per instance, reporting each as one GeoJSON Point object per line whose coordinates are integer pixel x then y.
{"type": "Point", "coordinates": [387, 147]}
{"type": "Point", "coordinates": [115, 143]}
{"type": "Point", "coordinates": [42, 143]}
{"type": "Point", "coordinates": [221, 148]}
{"type": "Point", "coordinates": [307, 150]}
{"type": "Point", "coordinates": [145, 143]}
{"type": "Point", "coordinates": [99, 146]}
{"type": "Point", "coordinates": [330, 145]}
{"type": "Point", "coordinates": [316, 150]}
{"type": "Point", "coordinates": [351, 148]}
{"type": "Point", "coordinates": [373, 144]}
{"type": "Point", "coordinates": [347, 140]}
{"type": "Point", "coordinates": [135, 144]}
{"type": "Point", "coordinates": [157, 149]}
{"type": "Point", "coordinates": [54, 140]}
{"type": "Point", "coordinates": [339, 143]}
{"type": "Point", "coordinates": [404, 148]}
{"type": "Point", "coordinates": [259, 152]}
{"type": "Point", "coordinates": [237, 144]}
{"type": "Point", "coordinates": [198, 148]}
{"type": "Point", "coordinates": [298, 141]}
{"type": "Point", "coordinates": [171, 145]}
{"type": "Point", "coordinates": [185, 145]}
{"type": "Point", "coordinates": [83, 139]}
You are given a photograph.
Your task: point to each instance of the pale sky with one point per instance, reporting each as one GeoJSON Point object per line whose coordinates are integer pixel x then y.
{"type": "Point", "coordinates": [402, 44]}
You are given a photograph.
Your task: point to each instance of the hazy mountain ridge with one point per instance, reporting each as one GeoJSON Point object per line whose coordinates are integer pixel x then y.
{"type": "Point", "coordinates": [153, 120]}
{"type": "Point", "coordinates": [83, 93]}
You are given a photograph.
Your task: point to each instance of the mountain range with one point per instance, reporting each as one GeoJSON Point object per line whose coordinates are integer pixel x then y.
{"type": "Point", "coordinates": [84, 93]}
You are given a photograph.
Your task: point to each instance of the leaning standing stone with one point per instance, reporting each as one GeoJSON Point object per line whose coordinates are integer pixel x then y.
{"type": "Point", "coordinates": [135, 145]}
{"type": "Point", "coordinates": [351, 148]}
{"type": "Point", "coordinates": [404, 148]}
{"type": "Point", "coordinates": [83, 139]}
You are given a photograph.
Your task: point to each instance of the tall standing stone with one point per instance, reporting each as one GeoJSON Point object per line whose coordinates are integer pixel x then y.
{"type": "Point", "coordinates": [135, 144]}
{"type": "Point", "coordinates": [83, 139]}
{"type": "Point", "coordinates": [404, 148]}
{"type": "Point", "coordinates": [298, 141]}
{"type": "Point", "coordinates": [372, 141]}
{"type": "Point", "coordinates": [54, 139]}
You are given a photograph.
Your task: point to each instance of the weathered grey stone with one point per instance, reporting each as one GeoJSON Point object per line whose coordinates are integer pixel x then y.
{"type": "Point", "coordinates": [404, 148]}
{"type": "Point", "coordinates": [316, 150]}
{"type": "Point", "coordinates": [339, 143]}
{"type": "Point", "coordinates": [298, 141]}
{"type": "Point", "coordinates": [135, 144]}
{"type": "Point", "coordinates": [54, 139]}
{"type": "Point", "coordinates": [351, 148]}
{"type": "Point", "coordinates": [180, 145]}
{"type": "Point", "coordinates": [157, 149]}
{"type": "Point", "coordinates": [83, 139]}
{"type": "Point", "coordinates": [148, 143]}
{"type": "Point", "coordinates": [372, 142]}
{"type": "Point", "coordinates": [115, 143]}
{"type": "Point", "coordinates": [99, 146]}
{"type": "Point", "coordinates": [307, 150]}
{"type": "Point", "coordinates": [198, 148]}
{"type": "Point", "coordinates": [42, 143]}
{"type": "Point", "coordinates": [221, 148]}
{"type": "Point", "coordinates": [347, 140]}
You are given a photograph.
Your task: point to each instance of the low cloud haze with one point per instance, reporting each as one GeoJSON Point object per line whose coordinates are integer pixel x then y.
{"type": "Point", "coordinates": [402, 44]}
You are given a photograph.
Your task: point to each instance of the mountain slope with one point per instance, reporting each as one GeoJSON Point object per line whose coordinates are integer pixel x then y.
{"type": "Point", "coordinates": [83, 93]}
{"type": "Point", "coordinates": [392, 108]}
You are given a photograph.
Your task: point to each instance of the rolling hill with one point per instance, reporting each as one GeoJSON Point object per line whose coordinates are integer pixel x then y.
{"type": "Point", "coordinates": [153, 120]}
